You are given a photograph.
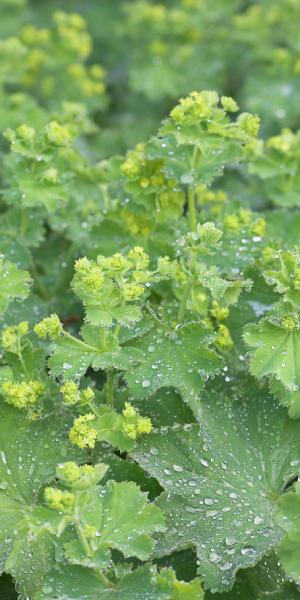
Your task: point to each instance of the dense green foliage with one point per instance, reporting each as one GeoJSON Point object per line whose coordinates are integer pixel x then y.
{"type": "Point", "coordinates": [150, 300]}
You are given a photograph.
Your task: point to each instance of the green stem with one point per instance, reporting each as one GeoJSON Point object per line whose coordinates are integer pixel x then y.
{"type": "Point", "coordinates": [94, 409]}
{"type": "Point", "coordinates": [80, 343]}
{"type": "Point", "coordinates": [109, 388]}
{"type": "Point", "coordinates": [101, 577]}
{"type": "Point", "coordinates": [192, 210]}
{"type": "Point", "coordinates": [88, 550]}
{"type": "Point", "coordinates": [82, 537]}
{"type": "Point", "coordinates": [183, 302]}
{"type": "Point", "coordinates": [20, 355]}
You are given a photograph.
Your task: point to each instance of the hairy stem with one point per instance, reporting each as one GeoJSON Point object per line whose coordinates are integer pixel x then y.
{"type": "Point", "coordinates": [79, 342]}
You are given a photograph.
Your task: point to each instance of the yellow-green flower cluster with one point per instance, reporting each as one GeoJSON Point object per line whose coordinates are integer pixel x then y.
{"type": "Point", "coordinates": [146, 180]}
{"type": "Point", "coordinates": [90, 80]}
{"type": "Point", "coordinates": [249, 124]}
{"type": "Point", "coordinates": [134, 425]}
{"type": "Point", "coordinates": [66, 44]}
{"type": "Point", "coordinates": [82, 433]}
{"type": "Point", "coordinates": [196, 107]}
{"type": "Point", "coordinates": [57, 134]}
{"type": "Point", "coordinates": [290, 322]}
{"type": "Point", "coordinates": [138, 257]}
{"type": "Point", "coordinates": [32, 35]}
{"type": "Point", "coordinates": [70, 392]}
{"type": "Point", "coordinates": [60, 500]}
{"type": "Point", "coordinates": [229, 104]}
{"type": "Point", "coordinates": [11, 337]}
{"type": "Point", "coordinates": [117, 277]}
{"type": "Point", "coordinates": [80, 477]}
{"type": "Point", "coordinates": [283, 143]}
{"type": "Point", "coordinates": [136, 224]}
{"type": "Point", "coordinates": [132, 291]}
{"type": "Point", "coordinates": [223, 340]}
{"type": "Point", "coordinates": [50, 326]}
{"type": "Point", "coordinates": [205, 195]}
{"type": "Point", "coordinates": [259, 227]}
{"type": "Point", "coordinates": [245, 218]}
{"type": "Point", "coordinates": [72, 395]}
{"type": "Point", "coordinates": [26, 133]}
{"type": "Point", "coordinates": [88, 278]}
{"type": "Point", "coordinates": [71, 29]}
{"type": "Point", "coordinates": [138, 167]}
{"type": "Point", "coordinates": [90, 532]}
{"type": "Point", "coordinates": [220, 313]}
{"type": "Point", "coordinates": [24, 394]}
{"type": "Point", "coordinates": [117, 263]}
{"type": "Point", "coordinates": [269, 254]}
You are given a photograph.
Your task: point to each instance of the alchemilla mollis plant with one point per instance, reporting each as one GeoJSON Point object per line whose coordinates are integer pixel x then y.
{"type": "Point", "coordinates": [150, 300]}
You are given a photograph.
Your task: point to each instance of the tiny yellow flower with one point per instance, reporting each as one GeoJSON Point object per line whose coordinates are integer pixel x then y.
{"type": "Point", "coordinates": [144, 425]}
{"type": "Point", "coordinates": [229, 104]}
{"type": "Point", "coordinates": [224, 339]}
{"type": "Point", "coordinates": [129, 410]}
{"type": "Point", "coordinates": [50, 326]}
{"type": "Point", "coordinates": [63, 501]}
{"type": "Point", "coordinates": [82, 434]}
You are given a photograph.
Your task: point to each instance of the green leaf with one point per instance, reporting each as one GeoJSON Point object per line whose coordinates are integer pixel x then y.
{"type": "Point", "coordinates": [286, 398]}
{"type": "Point", "coordinates": [286, 277]}
{"type": "Point", "coordinates": [75, 554]}
{"type": "Point", "coordinates": [284, 226]}
{"type": "Point", "coordinates": [181, 360]}
{"type": "Point", "coordinates": [76, 583]}
{"type": "Point", "coordinates": [288, 517]}
{"type": "Point", "coordinates": [221, 480]}
{"type": "Point", "coordinates": [275, 351]}
{"type": "Point", "coordinates": [167, 407]}
{"type": "Point", "coordinates": [122, 515]}
{"type": "Point", "coordinates": [14, 283]}
{"type": "Point", "coordinates": [110, 427]}
{"type": "Point", "coordinates": [264, 581]}
{"type": "Point", "coordinates": [29, 453]}
{"type": "Point", "coordinates": [72, 356]}
{"type": "Point", "coordinates": [119, 358]}
{"type": "Point", "coordinates": [181, 590]}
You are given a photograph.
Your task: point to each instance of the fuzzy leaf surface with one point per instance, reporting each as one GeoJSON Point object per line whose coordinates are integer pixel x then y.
{"type": "Point", "coordinates": [275, 352]}
{"type": "Point", "coordinates": [29, 454]}
{"type": "Point", "coordinates": [14, 283]}
{"type": "Point", "coordinates": [183, 362]}
{"type": "Point", "coordinates": [288, 517]}
{"type": "Point", "coordinates": [221, 480]}
{"type": "Point", "coordinates": [77, 583]}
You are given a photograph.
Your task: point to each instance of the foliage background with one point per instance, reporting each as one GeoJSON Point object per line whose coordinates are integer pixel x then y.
{"type": "Point", "coordinates": [67, 194]}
